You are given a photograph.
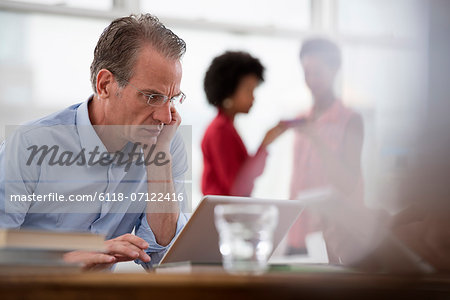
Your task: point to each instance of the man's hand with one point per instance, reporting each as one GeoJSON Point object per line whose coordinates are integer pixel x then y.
{"type": "Point", "coordinates": [127, 247]}
{"type": "Point", "coordinates": [90, 261]}
{"type": "Point", "coordinates": [123, 248]}
{"type": "Point", "coordinates": [166, 135]}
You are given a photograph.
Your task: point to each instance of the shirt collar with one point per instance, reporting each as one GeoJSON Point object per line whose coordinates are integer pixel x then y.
{"type": "Point", "coordinates": [88, 137]}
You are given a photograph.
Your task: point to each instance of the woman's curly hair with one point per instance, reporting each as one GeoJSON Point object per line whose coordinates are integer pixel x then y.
{"type": "Point", "coordinates": [226, 71]}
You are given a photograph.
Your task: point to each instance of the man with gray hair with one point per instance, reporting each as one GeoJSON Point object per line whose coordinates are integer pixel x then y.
{"type": "Point", "coordinates": [121, 147]}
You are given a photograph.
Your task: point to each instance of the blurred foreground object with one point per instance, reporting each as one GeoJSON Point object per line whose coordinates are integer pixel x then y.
{"type": "Point", "coordinates": [415, 240]}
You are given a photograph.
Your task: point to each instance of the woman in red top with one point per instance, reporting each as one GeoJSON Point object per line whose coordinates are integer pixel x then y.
{"type": "Point", "coordinates": [229, 84]}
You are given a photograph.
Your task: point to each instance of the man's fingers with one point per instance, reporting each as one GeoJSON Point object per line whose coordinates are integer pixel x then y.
{"type": "Point", "coordinates": [98, 261]}
{"type": "Point", "coordinates": [128, 247]}
{"type": "Point", "coordinates": [135, 240]}
{"type": "Point", "coordinates": [100, 258]}
{"type": "Point", "coordinates": [128, 250]}
{"type": "Point", "coordinates": [176, 118]}
{"type": "Point", "coordinates": [123, 248]}
{"type": "Point", "coordinates": [144, 256]}
{"type": "Point", "coordinates": [88, 258]}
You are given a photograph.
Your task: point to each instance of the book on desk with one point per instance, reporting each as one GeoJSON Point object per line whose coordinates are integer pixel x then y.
{"type": "Point", "coordinates": [36, 251]}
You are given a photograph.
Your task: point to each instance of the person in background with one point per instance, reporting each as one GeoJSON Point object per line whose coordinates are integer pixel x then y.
{"type": "Point", "coordinates": [229, 85]}
{"type": "Point", "coordinates": [328, 139]}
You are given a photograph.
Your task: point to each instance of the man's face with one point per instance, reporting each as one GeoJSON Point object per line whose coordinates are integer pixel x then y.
{"type": "Point", "coordinates": [153, 74]}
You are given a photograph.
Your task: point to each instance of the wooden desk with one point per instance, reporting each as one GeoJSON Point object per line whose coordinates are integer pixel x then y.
{"type": "Point", "coordinates": [218, 285]}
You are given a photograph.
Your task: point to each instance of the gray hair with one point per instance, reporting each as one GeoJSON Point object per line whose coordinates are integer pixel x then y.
{"type": "Point", "coordinates": [120, 42]}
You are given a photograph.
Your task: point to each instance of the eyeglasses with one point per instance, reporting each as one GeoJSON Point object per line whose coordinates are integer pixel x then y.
{"type": "Point", "coordinates": [160, 99]}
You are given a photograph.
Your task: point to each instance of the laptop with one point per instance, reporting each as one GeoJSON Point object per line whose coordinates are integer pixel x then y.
{"type": "Point", "coordinates": [198, 242]}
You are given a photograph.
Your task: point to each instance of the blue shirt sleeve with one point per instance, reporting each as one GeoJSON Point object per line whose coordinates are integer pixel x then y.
{"type": "Point", "coordinates": [16, 180]}
{"type": "Point", "coordinates": [155, 250]}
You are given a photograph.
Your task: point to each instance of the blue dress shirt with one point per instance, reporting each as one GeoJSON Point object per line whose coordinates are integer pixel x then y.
{"type": "Point", "coordinates": [72, 131]}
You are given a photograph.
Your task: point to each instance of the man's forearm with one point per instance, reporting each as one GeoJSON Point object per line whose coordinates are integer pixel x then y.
{"type": "Point", "coordinates": [162, 216]}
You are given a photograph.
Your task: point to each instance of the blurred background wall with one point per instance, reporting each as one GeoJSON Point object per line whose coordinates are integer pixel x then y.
{"type": "Point", "coordinates": [46, 47]}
